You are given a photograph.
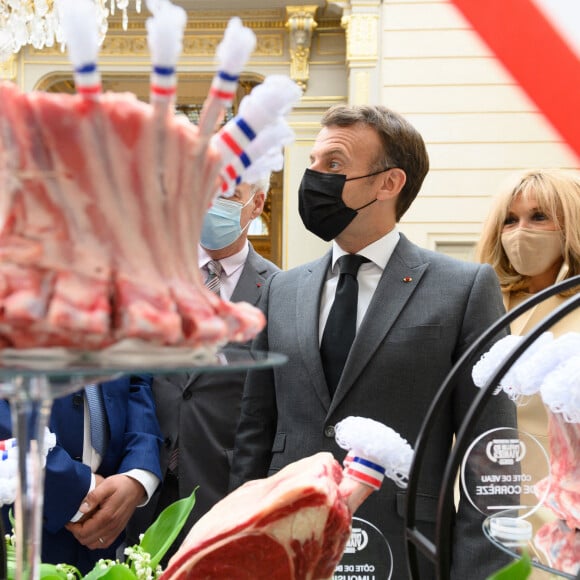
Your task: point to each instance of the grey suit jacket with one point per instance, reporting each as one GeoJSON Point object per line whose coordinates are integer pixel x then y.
{"type": "Point", "coordinates": [427, 309]}
{"type": "Point", "coordinates": [199, 412]}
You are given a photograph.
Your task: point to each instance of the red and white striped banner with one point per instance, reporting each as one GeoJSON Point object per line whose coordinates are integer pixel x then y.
{"type": "Point", "coordinates": [538, 41]}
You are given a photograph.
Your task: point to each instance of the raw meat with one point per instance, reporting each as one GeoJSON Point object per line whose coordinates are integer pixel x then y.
{"type": "Point", "coordinates": [561, 546]}
{"type": "Point", "coordinates": [101, 207]}
{"type": "Point", "coordinates": [564, 481]}
{"type": "Point", "coordinates": [293, 525]}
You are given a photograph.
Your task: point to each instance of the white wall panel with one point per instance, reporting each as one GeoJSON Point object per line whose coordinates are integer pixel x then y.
{"type": "Point", "coordinates": [486, 127]}
{"type": "Point", "coordinates": [429, 210]}
{"type": "Point", "coordinates": [457, 99]}
{"type": "Point", "coordinates": [420, 43]}
{"type": "Point", "coordinates": [444, 71]}
{"type": "Point", "coordinates": [464, 182]}
{"type": "Point", "coordinates": [421, 16]}
{"type": "Point", "coordinates": [497, 155]}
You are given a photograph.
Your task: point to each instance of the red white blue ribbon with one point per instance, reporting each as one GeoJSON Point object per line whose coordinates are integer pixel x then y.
{"type": "Point", "coordinates": [163, 81]}
{"type": "Point", "coordinates": [235, 137]}
{"type": "Point", "coordinates": [223, 87]}
{"type": "Point", "coordinates": [88, 80]}
{"type": "Point", "coordinates": [365, 471]}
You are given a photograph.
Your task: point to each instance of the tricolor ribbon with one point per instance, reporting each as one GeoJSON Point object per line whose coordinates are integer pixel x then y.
{"type": "Point", "coordinates": [88, 80]}
{"type": "Point", "coordinates": [8, 444]}
{"type": "Point", "coordinates": [235, 137]}
{"type": "Point", "coordinates": [163, 81]}
{"type": "Point", "coordinates": [223, 87]}
{"type": "Point", "coordinates": [365, 471]}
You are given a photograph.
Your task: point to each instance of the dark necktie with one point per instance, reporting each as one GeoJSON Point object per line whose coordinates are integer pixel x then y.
{"type": "Point", "coordinates": [340, 327]}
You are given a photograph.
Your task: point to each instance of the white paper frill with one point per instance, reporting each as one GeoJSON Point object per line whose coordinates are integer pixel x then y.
{"type": "Point", "coordinates": [549, 366]}
{"type": "Point", "coordinates": [378, 443]}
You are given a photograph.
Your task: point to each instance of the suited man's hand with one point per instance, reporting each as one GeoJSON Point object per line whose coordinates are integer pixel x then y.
{"type": "Point", "coordinates": [108, 509]}
{"type": "Point", "coordinates": [98, 480]}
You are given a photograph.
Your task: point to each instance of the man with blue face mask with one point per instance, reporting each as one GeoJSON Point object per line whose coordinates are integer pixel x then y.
{"type": "Point", "coordinates": [197, 412]}
{"type": "Point", "coordinates": [224, 235]}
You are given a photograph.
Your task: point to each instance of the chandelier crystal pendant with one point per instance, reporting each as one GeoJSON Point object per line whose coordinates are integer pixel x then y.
{"type": "Point", "coordinates": [36, 22]}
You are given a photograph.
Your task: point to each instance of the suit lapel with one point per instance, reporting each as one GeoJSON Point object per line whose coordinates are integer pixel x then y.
{"type": "Point", "coordinates": [68, 419]}
{"type": "Point", "coordinates": [395, 288]}
{"type": "Point", "coordinates": [307, 316]}
{"type": "Point", "coordinates": [251, 280]}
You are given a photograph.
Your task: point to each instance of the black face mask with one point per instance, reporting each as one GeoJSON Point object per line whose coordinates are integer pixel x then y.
{"type": "Point", "coordinates": [320, 203]}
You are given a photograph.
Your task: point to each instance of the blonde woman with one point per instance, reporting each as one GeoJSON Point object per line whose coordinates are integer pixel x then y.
{"type": "Point", "coordinates": [532, 240]}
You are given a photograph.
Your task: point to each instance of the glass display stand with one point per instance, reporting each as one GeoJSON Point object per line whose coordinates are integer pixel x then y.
{"type": "Point", "coordinates": [514, 533]}
{"type": "Point", "coordinates": [31, 381]}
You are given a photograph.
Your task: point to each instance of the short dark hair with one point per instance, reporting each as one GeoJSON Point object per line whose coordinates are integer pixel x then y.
{"type": "Point", "coordinates": [403, 145]}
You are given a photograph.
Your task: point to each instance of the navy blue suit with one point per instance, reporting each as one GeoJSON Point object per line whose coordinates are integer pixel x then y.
{"type": "Point", "coordinates": [134, 443]}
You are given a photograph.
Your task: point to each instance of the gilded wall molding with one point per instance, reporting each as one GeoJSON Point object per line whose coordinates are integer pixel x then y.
{"type": "Point", "coordinates": [362, 40]}
{"type": "Point", "coordinates": [8, 68]}
{"type": "Point", "coordinates": [203, 45]}
{"type": "Point", "coordinates": [206, 45]}
{"type": "Point", "coordinates": [300, 23]}
{"type": "Point", "coordinates": [207, 20]}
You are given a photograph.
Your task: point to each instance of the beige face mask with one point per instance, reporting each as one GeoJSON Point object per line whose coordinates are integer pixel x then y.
{"type": "Point", "coordinates": [532, 252]}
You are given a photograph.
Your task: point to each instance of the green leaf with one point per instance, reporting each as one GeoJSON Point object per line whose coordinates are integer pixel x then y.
{"type": "Point", "coordinates": [518, 570]}
{"type": "Point", "coordinates": [10, 560]}
{"type": "Point", "coordinates": [115, 572]}
{"type": "Point", "coordinates": [163, 531]}
{"type": "Point", "coordinates": [49, 572]}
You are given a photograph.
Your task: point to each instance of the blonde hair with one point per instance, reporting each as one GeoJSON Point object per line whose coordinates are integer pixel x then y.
{"type": "Point", "coordinates": [558, 195]}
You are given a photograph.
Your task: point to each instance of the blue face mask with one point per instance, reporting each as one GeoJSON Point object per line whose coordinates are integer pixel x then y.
{"type": "Point", "coordinates": [221, 225]}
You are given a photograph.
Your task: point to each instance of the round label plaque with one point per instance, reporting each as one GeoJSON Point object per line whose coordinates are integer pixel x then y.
{"type": "Point", "coordinates": [367, 555]}
{"type": "Point", "coordinates": [501, 470]}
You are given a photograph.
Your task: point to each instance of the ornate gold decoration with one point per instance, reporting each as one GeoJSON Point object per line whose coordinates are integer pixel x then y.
{"type": "Point", "coordinates": [125, 45]}
{"type": "Point", "coordinates": [361, 36]}
{"type": "Point", "coordinates": [269, 45]}
{"type": "Point", "coordinates": [203, 45]}
{"type": "Point", "coordinates": [206, 45]}
{"type": "Point", "coordinates": [8, 68]}
{"type": "Point", "coordinates": [300, 23]}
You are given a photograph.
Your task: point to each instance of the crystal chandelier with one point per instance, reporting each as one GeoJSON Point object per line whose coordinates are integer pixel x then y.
{"type": "Point", "coordinates": [36, 22]}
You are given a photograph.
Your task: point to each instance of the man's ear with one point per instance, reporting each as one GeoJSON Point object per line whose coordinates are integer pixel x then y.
{"type": "Point", "coordinates": [258, 204]}
{"type": "Point", "coordinates": [392, 183]}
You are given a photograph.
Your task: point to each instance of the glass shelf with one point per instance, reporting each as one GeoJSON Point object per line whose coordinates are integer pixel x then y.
{"type": "Point", "coordinates": [61, 362]}
{"type": "Point", "coordinates": [514, 534]}
{"type": "Point", "coordinates": [69, 370]}
{"type": "Point", "coordinates": [32, 379]}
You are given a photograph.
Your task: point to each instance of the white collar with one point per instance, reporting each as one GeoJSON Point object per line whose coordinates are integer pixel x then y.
{"type": "Point", "coordinates": [379, 252]}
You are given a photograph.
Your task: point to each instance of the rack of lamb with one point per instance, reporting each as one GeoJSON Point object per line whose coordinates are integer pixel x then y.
{"type": "Point", "coordinates": [102, 197]}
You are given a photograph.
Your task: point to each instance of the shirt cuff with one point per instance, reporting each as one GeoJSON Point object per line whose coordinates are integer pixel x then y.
{"type": "Point", "coordinates": [148, 480]}
{"type": "Point", "coordinates": [80, 514]}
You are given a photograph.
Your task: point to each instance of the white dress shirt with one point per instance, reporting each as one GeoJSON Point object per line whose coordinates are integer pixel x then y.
{"type": "Point", "coordinates": [148, 480]}
{"type": "Point", "coordinates": [232, 267]}
{"type": "Point", "coordinates": [369, 274]}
